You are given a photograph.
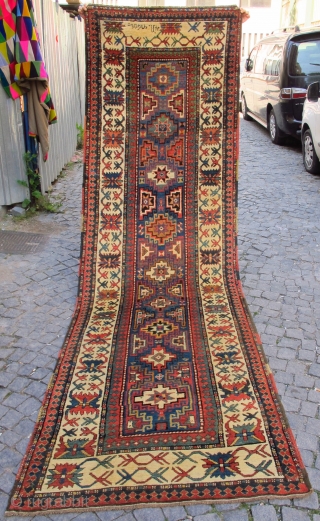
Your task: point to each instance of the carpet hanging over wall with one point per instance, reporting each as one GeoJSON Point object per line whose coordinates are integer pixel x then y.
{"type": "Point", "coordinates": [161, 394]}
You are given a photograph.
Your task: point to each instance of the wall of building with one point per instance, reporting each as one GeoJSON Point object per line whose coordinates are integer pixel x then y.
{"type": "Point", "coordinates": [304, 13]}
{"type": "Point", "coordinates": [12, 166]}
{"type": "Point", "coordinates": [62, 41]}
{"type": "Point", "coordinates": [262, 21]}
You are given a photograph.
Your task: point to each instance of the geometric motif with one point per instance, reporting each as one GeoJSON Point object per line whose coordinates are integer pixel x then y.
{"type": "Point", "coordinates": [161, 175]}
{"type": "Point", "coordinates": [176, 249]}
{"type": "Point", "coordinates": [21, 62]}
{"type": "Point", "coordinates": [161, 228]}
{"type": "Point", "coordinates": [162, 127]}
{"type": "Point", "coordinates": [176, 290]}
{"type": "Point", "coordinates": [145, 250]}
{"type": "Point", "coordinates": [138, 343]}
{"type": "Point", "coordinates": [162, 79]}
{"type": "Point", "coordinates": [148, 152]}
{"type": "Point", "coordinates": [176, 151]}
{"type": "Point", "coordinates": [160, 271]}
{"type": "Point", "coordinates": [159, 328]}
{"type": "Point", "coordinates": [158, 357]}
{"type": "Point", "coordinates": [160, 303]}
{"type": "Point", "coordinates": [179, 315]}
{"type": "Point", "coordinates": [148, 104]}
{"type": "Point", "coordinates": [144, 292]}
{"type": "Point", "coordinates": [174, 201]}
{"type": "Point", "coordinates": [180, 341]}
{"type": "Point", "coordinates": [159, 396]}
{"type": "Point", "coordinates": [177, 103]}
{"type": "Point", "coordinates": [140, 317]}
{"type": "Point", "coordinates": [147, 202]}
{"type": "Point", "coordinates": [161, 393]}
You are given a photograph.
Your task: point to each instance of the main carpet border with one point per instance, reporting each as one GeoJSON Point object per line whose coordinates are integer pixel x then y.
{"type": "Point", "coordinates": [271, 386]}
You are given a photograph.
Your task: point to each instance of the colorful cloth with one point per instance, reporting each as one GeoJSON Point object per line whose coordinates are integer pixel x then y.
{"type": "Point", "coordinates": [161, 394]}
{"type": "Point", "coordinates": [21, 61]}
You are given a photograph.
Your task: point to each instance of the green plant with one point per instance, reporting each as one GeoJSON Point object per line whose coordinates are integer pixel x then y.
{"type": "Point", "coordinates": [44, 203]}
{"type": "Point", "coordinates": [33, 179]}
{"type": "Point", "coordinates": [37, 200]}
{"type": "Point", "coordinates": [80, 135]}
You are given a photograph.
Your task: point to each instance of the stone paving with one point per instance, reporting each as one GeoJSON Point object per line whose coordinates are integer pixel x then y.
{"type": "Point", "coordinates": [279, 249]}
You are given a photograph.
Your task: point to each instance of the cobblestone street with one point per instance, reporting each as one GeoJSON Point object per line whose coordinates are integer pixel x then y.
{"type": "Point", "coordinates": [279, 251]}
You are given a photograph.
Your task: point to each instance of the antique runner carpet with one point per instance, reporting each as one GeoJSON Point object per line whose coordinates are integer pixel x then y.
{"type": "Point", "coordinates": [161, 394]}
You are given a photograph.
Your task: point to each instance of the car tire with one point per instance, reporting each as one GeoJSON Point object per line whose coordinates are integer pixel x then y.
{"type": "Point", "coordinates": [276, 135]}
{"type": "Point", "coordinates": [244, 109]}
{"type": "Point", "coordinates": [310, 158]}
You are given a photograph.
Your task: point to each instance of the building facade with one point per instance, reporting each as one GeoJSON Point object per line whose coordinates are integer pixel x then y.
{"type": "Point", "coordinates": [305, 13]}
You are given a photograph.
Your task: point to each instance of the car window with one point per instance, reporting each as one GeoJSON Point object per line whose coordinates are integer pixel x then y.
{"type": "Point", "coordinates": [273, 60]}
{"type": "Point", "coordinates": [261, 58]}
{"type": "Point", "coordinates": [304, 58]}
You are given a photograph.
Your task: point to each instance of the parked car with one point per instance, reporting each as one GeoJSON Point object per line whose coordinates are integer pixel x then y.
{"type": "Point", "coordinates": [274, 86]}
{"type": "Point", "coordinates": [241, 73]}
{"type": "Point", "coordinates": [310, 134]}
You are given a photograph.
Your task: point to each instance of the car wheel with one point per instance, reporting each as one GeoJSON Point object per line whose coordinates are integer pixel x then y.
{"type": "Point", "coordinates": [274, 131]}
{"type": "Point", "coordinates": [310, 159]}
{"type": "Point", "coordinates": [244, 109]}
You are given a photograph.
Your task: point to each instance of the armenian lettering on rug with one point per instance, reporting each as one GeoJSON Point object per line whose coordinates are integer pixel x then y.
{"type": "Point", "coordinates": [161, 394]}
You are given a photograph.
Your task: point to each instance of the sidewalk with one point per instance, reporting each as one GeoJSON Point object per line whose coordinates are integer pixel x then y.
{"type": "Point", "coordinates": [279, 237]}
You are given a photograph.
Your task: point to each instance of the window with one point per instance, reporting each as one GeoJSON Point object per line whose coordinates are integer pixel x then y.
{"type": "Point", "coordinates": [175, 3]}
{"type": "Point", "coordinates": [273, 60]}
{"type": "Point", "coordinates": [305, 58]}
{"type": "Point", "coordinates": [255, 3]}
{"type": "Point", "coordinates": [261, 58]}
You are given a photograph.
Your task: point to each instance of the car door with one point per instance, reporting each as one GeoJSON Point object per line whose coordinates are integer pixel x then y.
{"type": "Point", "coordinates": [272, 71]}
{"type": "Point", "coordinates": [246, 80]}
{"type": "Point", "coordinates": [259, 83]}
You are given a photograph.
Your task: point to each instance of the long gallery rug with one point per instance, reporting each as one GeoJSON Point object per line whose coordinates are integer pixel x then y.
{"type": "Point", "coordinates": [161, 394]}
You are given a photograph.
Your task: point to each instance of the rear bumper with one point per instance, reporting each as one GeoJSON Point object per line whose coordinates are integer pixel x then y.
{"type": "Point", "coordinates": [286, 121]}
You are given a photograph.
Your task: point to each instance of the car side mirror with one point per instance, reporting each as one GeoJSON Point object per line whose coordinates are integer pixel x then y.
{"type": "Point", "coordinates": [249, 65]}
{"type": "Point", "coordinates": [313, 91]}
